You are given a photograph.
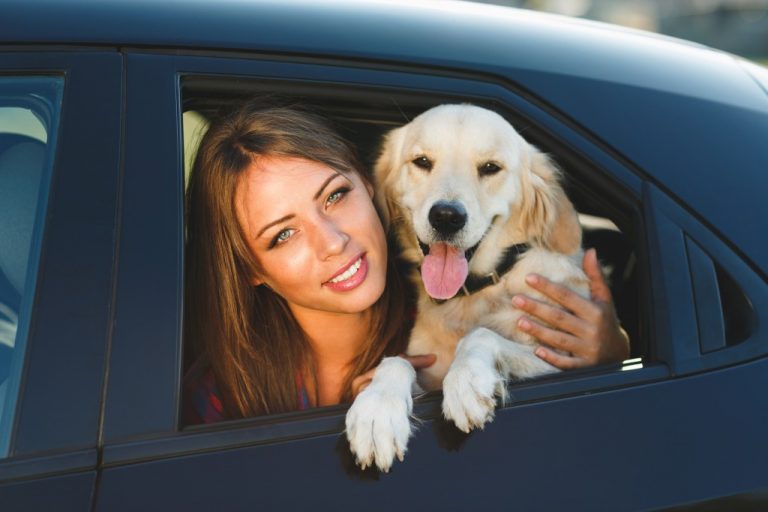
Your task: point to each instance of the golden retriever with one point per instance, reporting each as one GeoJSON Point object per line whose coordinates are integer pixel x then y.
{"type": "Point", "coordinates": [475, 208]}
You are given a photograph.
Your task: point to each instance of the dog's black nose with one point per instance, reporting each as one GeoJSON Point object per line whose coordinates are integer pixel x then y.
{"type": "Point", "coordinates": [447, 218]}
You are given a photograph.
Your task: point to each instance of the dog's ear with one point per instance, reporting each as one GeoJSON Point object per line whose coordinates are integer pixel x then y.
{"type": "Point", "coordinates": [547, 215]}
{"type": "Point", "coordinates": [385, 174]}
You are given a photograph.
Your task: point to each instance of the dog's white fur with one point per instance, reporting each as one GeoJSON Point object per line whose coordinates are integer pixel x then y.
{"type": "Point", "coordinates": [475, 338]}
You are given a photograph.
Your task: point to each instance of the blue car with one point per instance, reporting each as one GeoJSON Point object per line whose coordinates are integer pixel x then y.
{"type": "Point", "coordinates": [664, 145]}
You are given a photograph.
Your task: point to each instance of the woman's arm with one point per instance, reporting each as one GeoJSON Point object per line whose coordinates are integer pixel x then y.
{"type": "Point", "coordinates": [587, 329]}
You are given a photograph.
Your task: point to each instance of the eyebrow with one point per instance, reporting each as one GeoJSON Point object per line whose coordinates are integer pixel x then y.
{"type": "Point", "coordinates": [325, 184]}
{"type": "Point", "coordinates": [290, 216]}
{"type": "Point", "coordinates": [273, 223]}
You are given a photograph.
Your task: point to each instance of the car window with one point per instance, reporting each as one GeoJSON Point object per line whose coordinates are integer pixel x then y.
{"type": "Point", "coordinates": [29, 114]}
{"type": "Point", "coordinates": [609, 226]}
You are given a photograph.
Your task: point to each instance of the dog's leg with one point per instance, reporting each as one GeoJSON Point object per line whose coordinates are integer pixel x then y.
{"type": "Point", "coordinates": [378, 423]}
{"type": "Point", "coordinates": [484, 360]}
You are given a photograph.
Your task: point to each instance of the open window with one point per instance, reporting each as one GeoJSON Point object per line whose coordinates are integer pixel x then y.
{"type": "Point", "coordinates": [610, 214]}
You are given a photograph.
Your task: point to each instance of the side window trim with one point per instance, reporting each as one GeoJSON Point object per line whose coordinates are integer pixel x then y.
{"type": "Point", "coordinates": [684, 254]}
{"type": "Point", "coordinates": [709, 310]}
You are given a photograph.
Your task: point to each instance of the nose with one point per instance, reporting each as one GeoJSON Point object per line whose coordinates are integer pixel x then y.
{"type": "Point", "coordinates": [447, 217]}
{"type": "Point", "coordinates": [330, 238]}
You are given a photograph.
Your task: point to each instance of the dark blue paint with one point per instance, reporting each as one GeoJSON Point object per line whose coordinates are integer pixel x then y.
{"type": "Point", "coordinates": [72, 493]}
{"type": "Point", "coordinates": [593, 452]}
{"type": "Point", "coordinates": [148, 297]}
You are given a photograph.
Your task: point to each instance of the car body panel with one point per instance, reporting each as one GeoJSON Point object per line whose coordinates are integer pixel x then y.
{"type": "Point", "coordinates": [69, 493]}
{"type": "Point", "coordinates": [502, 466]}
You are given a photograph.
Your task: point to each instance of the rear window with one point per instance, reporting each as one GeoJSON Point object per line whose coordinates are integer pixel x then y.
{"type": "Point", "coordinates": [29, 115]}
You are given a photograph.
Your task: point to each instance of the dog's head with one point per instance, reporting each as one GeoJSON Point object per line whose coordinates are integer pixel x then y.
{"type": "Point", "coordinates": [458, 183]}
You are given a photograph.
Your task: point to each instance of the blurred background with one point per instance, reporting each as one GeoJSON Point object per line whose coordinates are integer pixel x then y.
{"type": "Point", "coordinates": [736, 26]}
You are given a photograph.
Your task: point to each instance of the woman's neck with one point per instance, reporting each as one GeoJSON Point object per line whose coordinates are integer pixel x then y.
{"type": "Point", "coordinates": [335, 339]}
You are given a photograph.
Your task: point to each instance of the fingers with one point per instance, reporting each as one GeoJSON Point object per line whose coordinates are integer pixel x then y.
{"type": "Point", "coordinates": [597, 284]}
{"type": "Point", "coordinates": [562, 295]}
{"type": "Point", "coordinates": [564, 362]}
{"type": "Point", "coordinates": [552, 315]}
{"type": "Point", "coordinates": [552, 337]}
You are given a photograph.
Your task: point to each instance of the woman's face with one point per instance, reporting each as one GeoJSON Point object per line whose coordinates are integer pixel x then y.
{"type": "Point", "coordinates": [315, 234]}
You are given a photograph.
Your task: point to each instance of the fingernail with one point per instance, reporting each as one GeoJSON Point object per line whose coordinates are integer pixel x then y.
{"type": "Point", "coordinates": [540, 352]}
{"type": "Point", "coordinates": [532, 279]}
{"type": "Point", "coordinates": [524, 324]}
{"type": "Point", "coordinates": [518, 301]}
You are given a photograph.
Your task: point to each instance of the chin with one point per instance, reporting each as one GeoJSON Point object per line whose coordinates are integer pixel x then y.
{"type": "Point", "coordinates": [367, 296]}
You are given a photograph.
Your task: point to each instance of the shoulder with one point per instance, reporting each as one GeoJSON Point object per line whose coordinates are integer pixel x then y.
{"type": "Point", "coordinates": [201, 398]}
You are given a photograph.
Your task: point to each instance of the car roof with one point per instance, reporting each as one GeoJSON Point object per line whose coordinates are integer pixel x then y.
{"type": "Point", "coordinates": [692, 119]}
{"type": "Point", "coordinates": [389, 28]}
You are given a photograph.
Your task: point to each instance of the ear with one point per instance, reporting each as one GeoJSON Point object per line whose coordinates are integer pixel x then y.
{"type": "Point", "coordinates": [548, 216]}
{"type": "Point", "coordinates": [385, 174]}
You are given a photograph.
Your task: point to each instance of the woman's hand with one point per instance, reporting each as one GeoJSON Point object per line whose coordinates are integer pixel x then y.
{"type": "Point", "coordinates": [361, 382]}
{"type": "Point", "coordinates": [588, 330]}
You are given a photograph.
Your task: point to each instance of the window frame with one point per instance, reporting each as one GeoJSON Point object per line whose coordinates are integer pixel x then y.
{"type": "Point", "coordinates": [154, 128]}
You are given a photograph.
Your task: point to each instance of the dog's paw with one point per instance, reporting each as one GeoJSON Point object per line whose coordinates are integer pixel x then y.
{"type": "Point", "coordinates": [378, 422]}
{"type": "Point", "coordinates": [469, 393]}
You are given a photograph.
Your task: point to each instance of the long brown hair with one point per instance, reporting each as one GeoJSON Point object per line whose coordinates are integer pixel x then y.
{"type": "Point", "coordinates": [245, 334]}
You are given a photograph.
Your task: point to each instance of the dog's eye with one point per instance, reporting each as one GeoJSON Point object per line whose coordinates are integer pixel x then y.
{"type": "Point", "coordinates": [488, 168]}
{"type": "Point", "coordinates": [422, 162]}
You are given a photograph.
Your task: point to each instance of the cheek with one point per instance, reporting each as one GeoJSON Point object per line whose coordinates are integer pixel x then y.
{"type": "Point", "coordinates": [372, 225]}
{"type": "Point", "coordinates": [285, 268]}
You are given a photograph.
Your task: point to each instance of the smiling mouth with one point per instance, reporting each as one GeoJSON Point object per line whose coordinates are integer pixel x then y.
{"type": "Point", "coordinates": [351, 271]}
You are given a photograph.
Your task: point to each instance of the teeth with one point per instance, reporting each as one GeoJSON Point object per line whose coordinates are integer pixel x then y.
{"type": "Point", "coordinates": [348, 273]}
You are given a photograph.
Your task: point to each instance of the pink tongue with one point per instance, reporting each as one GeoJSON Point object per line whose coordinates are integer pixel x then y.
{"type": "Point", "coordinates": [444, 271]}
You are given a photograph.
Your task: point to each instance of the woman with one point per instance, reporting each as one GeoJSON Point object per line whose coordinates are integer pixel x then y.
{"type": "Point", "coordinates": [291, 298]}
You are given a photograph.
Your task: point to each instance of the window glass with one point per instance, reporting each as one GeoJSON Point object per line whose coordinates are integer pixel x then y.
{"type": "Point", "coordinates": [29, 115]}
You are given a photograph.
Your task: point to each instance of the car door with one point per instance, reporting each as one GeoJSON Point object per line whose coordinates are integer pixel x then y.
{"type": "Point", "coordinates": [633, 436]}
{"type": "Point", "coordinates": [60, 144]}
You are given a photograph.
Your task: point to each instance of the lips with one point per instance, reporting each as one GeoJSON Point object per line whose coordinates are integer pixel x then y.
{"type": "Point", "coordinates": [350, 276]}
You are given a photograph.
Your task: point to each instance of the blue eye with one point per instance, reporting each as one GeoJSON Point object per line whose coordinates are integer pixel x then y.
{"type": "Point", "coordinates": [336, 195]}
{"type": "Point", "coordinates": [281, 237]}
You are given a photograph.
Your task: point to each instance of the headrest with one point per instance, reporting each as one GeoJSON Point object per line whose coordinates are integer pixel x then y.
{"type": "Point", "coordinates": [21, 167]}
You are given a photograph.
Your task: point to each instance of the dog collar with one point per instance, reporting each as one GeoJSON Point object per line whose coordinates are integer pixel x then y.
{"type": "Point", "coordinates": [475, 283]}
